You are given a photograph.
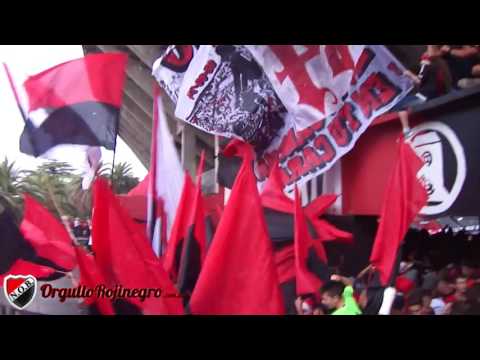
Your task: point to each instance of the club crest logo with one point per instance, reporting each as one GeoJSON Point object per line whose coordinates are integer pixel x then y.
{"type": "Point", "coordinates": [20, 290]}
{"type": "Point", "coordinates": [434, 142]}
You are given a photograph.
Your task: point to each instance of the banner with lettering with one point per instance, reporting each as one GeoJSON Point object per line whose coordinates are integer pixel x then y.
{"type": "Point", "coordinates": [222, 90]}
{"type": "Point", "coordinates": [332, 94]}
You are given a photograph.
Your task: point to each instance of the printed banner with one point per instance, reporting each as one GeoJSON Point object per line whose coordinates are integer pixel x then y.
{"type": "Point", "coordinates": [332, 94]}
{"type": "Point", "coordinates": [223, 91]}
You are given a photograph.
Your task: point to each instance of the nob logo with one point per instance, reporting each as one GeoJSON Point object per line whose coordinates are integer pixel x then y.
{"type": "Point", "coordinates": [20, 290]}
{"type": "Point", "coordinates": [431, 141]}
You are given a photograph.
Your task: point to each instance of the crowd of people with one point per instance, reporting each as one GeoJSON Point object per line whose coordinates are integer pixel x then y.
{"type": "Point", "coordinates": [442, 68]}
{"type": "Point", "coordinates": [438, 275]}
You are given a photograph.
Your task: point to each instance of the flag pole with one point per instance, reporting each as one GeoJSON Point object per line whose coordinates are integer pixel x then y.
{"type": "Point", "coordinates": [22, 112]}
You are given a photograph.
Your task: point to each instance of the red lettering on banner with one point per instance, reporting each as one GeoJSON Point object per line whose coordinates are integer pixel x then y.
{"type": "Point", "coordinates": [375, 92]}
{"type": "Point", "coordinates": [325, 146]}
{"type": "Point", "coordinates": [202, 78]}
{"type": "Point", "coordinates": [343, 125]}
{"type": "Point", "coordinates": [364, 60]}
{"type": "Point", "coordinates": [294, 67]}
{"type": "Point", "coordinates": [316, 154]}
{"type": "Point", "coordinates": [339, 58]}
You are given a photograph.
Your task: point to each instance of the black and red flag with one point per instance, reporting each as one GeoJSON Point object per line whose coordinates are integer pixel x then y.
{"type": "Point", "coordinates": [39, 247]}
{"type": "Point", "coordinates": [405, 196]}
{"type": "Point", "coordinates": [77, 102]}
{"type": "Point", "coordinates": [195, 243]}
{"type": "Point", "coordinates": [171, 259]}
{"type": "Point", "coordinates": [124, 255]}
{"type": "Point", "coordinates": [239, 275]}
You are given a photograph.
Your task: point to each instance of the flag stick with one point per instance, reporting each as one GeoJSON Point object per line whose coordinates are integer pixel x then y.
{"type": "Point", "coordinates": [22, 112]}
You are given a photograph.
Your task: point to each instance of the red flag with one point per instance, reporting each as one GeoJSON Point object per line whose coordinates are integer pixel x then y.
{"type": "Point", "coordinates": [90, 276]}
{"type": "Point", "coordinates": [239, 274]}
{"type": "Point", "coordinates": [274, 198]}
{"type": "Point", "coordinates": [307, 282]}
{"type": "Point", "coordinates": [195, 239]}
{"type": "Point", "coordinates": [124, 255]}
{"type": "Point", "coordinates": [404, 198]}
{"type": "Point", "coordinates": [25, 267]}
{"type": "Point", "coordinates": [171, 260]}
{"type": "Point", "coordinates": [47, 235]}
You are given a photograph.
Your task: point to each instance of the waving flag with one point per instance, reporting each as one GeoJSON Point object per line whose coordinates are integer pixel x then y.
{"type": "Point", "coordinates": [75, 103]}
{"type": "Point", "coordinates": [165, 180]}
{"type": "Point", "coordinates": [239, 275]}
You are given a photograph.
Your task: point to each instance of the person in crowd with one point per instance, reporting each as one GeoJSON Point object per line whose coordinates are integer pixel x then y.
{"type": "Point", "coordinates": [460, 289]}
{"type": "Point", "coordinates": [464, 64]}
{"type": "Point", "coordinates": [337, 296]}
{"type": "Point", "coordinates": [442, 296]}
{"type": "Point", "coordinates": [418, 303]}
{"type": "Point", "coordinates": [433, 80]}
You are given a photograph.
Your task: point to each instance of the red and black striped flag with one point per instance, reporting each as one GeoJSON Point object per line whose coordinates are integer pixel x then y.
{"type": "Point", "coordinates": [41, 247]}
{"type": "Point", "coordinates": [239, 275]}
{"type": "Point", "coordinates": [76, 103]}
{"type": "Point", "coordinates": [405, 196]}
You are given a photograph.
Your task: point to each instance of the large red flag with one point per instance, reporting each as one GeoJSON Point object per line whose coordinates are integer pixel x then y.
{"type": "Point", "coordinates": [404, 198]}
{"type": "Point", "coordinates": [171, 259]}
{"type": "Point", "coordinates": [124, 254]}
{"type": "Point", "coordinates": [195, 240]}
{"type": "Point", "coordinates": [90, 277]}
{"type": "Point", "coordinates": [239, 274]}
{"type": "Point", "coordinates": [307, 281]}
{"type": "Point", "coordinates": [47, 235]}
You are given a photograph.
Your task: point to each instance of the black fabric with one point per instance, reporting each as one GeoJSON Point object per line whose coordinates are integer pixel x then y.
{"type": "Point", "coordinates": [125, 307]}
{"type": "Point", "coordinates": [89, 123]}
{"type": "Point", "coordinates": [190, 264]}
{"type": "Point", "coordinates": [228, 168]}
{"type": "Point", "coordinates": [13, 247]}
{"type": "Point", "coordinates": [461, 117]}
{"type": "Point", "coordinates": [289, 292]}
{"type": "Point", "coordinates": [316, 266]}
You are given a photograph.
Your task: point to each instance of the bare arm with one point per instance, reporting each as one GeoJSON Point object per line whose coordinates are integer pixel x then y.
{"type": "Point", "coordinates": [464, 52]}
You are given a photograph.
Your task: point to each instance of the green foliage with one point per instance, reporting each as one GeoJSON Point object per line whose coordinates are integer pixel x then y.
{"type": "Point", "coordinates": [57, 180]}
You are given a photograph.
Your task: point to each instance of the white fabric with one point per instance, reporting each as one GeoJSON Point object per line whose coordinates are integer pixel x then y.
{"type": "Point", "coordinates": [321, 89]}
{"type": "Point", "coordinates": [438, 306]}
{"type": "Point", "coordinates": [388, 298]}
{"type": "Point", "coordinates": [167, 169]}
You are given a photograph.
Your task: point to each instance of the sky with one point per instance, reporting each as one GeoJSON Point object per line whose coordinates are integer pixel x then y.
{"type": "Point", "coordinates": [26, 60]}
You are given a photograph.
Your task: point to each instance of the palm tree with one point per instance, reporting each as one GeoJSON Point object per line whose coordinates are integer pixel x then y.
{"type": "Point", "coordinates": [10, 188]}
{"type": "Point", "coordinates": [122, 177]}
{"type": "Point", "coordinates": [50, 183]}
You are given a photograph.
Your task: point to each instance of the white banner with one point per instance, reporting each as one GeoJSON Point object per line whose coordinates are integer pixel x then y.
{"type": "Point", "coordinates": [332, 94]}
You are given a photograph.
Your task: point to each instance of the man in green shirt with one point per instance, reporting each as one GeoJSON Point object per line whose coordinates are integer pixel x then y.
{"type": "Point", "coordinates": [337, 295]}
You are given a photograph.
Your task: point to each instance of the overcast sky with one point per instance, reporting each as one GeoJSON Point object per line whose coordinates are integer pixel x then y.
{"type": "Point", "coordinates": [25, 60]}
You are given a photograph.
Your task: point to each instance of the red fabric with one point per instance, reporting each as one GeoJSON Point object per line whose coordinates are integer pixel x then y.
{"type": "Point", "coordinates": [285, 262]}
{"type": "Point", "coordinates": [47, 235]}
{"type": "Point", "coordinates": [22, 267]}
{"type": "Point", "coordinates": [142, 188]}
{"type": "Point", "coordinates": [125, 256]}
{"type": "Point", "coordinates": [90, 276]}
{"type": "Point", "coordinates": [404, 198]}
{"type": "Point", "coordinates": [274, 198]}
{"type": "Point", "coordinates": [450, 299]}
{"type": "Point", "coordinates": [96, 77]}
{"type": "Point", "coordinates": [180, 226]}
{"type": "Point", "coordinates": [239, 274]}
{"type": "Point", "coordinates": [307, 282]}
{"type": "Point", "coordinates": [404, 284]}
